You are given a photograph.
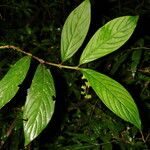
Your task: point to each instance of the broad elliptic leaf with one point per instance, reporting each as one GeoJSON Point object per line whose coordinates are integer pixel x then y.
{"type": "Point", "coordinates": [75, 30]}
{"type": "Point", "coordinates": [39, 106]}
{"type": "Point", "coordinates": [109, 38]}
{"type": "Point", "coordinates": [9, 85]}
{"type": "Point", "coordinates": [114, 96]}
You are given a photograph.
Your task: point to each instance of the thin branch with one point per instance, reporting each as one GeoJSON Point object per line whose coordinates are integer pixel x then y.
{"type": "Point", "coordinates": [39, 59]}
{"type": "Point", "coordinates": [142, 136]}
{"type": "Point", "coordinates": [146, 48]}
{"type": "Point", "coordinates": [8, 133]}
{"type": "Point", "coordinates": [147, 137]}
{"type": "Point", "coordinates": [15, 48]}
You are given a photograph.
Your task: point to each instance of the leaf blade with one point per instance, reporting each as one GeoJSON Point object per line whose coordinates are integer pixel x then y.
{"type": "Point", "coordinates": [75, 30]}
{"type": "Point", "coordinates": [109, 38]}
{"type": "Point", "coordinates": [114, 96]}
{"type": "Point", "coordinates": [14, 77]}
{"type": "Point", "coordinates": [39, 106]}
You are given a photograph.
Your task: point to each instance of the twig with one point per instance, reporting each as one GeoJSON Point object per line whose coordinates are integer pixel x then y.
{"type": "Point", "coordinates": [142, 136]}
{"type": "Point", "coordinates": [147, 137]}
{"type": "Point", "coordinates": [9, 131]}
{"type": "Point", "coordinates": [39, 59]}
{"type": "Point", "coordinates": [146, 48]}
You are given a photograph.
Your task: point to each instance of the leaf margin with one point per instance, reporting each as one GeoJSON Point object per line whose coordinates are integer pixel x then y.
{"type": "Point", "coordinates": [27, 107]}
{"type": "Point", "coordinates": [137, 123]}
{"type": "Point", "coordinates": [66, 53]}
{"type": "Point", "coordinates": [13, 72]}
{"type": "Point", "coordinates": [87, 53]}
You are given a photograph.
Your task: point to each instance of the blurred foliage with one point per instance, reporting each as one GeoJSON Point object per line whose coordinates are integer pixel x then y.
{"type": "Point", "coordinates": [35, 26]}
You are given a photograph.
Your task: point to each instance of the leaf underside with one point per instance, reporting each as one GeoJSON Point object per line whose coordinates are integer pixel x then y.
{"type": "Point", "coordinates": [9, 85]}
{"type": "Point", "coordinates": [114, 96]}
{"type": "Point", "coordinates": [39, 106]}
{"type": "Point", "coordinates": [109, 38]}
{"type": "Point", "coordinates": [75, 30]}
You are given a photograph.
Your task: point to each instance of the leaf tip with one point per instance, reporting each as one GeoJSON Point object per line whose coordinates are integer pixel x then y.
{"type": "Point", "coordinates": [138, 124]}
{"type": "Point", "coordinates": [27, 142]}
{"type": "Point", "coordinates": [135, 18]}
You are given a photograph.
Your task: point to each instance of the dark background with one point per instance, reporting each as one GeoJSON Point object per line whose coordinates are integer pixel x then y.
{"type": "Point", "coordinates": [78, 122]}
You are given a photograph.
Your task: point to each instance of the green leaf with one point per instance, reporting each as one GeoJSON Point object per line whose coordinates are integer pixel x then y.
{"type": "Point", "coordinates": [114, 96]}
{"type": "Point", "coordinates": [75, 30]}
{"type": "Point", "coordinates": [136, 57]}
{"type": "Point", "coordinates": [39, 106]}
{"type": "Point", "coordinates": [9, 85]}
{"type": "Point", "coordinates": [109, 38]}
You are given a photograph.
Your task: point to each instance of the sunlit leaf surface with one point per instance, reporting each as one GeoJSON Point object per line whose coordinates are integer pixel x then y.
{"type": "Point", "coordinates": [109, 38]}
{"type": "Point", "coordinates": [75, 30]}
{"type": "Point", "coordinates": [114, 96]}
{"type": "Point", "coordinates": [9, 85]}
{"type": "Point", "coordinates": [39, 106]}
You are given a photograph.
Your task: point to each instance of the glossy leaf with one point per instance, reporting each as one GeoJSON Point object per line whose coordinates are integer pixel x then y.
{"type": "Point", "coordinates": [9, 85]}
{"type": "Point", "coordinates": [39, 106]}
{"type": "Point", "coordinates": [114, 96]}
{"type": "Point", "coordinates": [109, 38]}
{"type": "Point", "coordinates": [75, 30]}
